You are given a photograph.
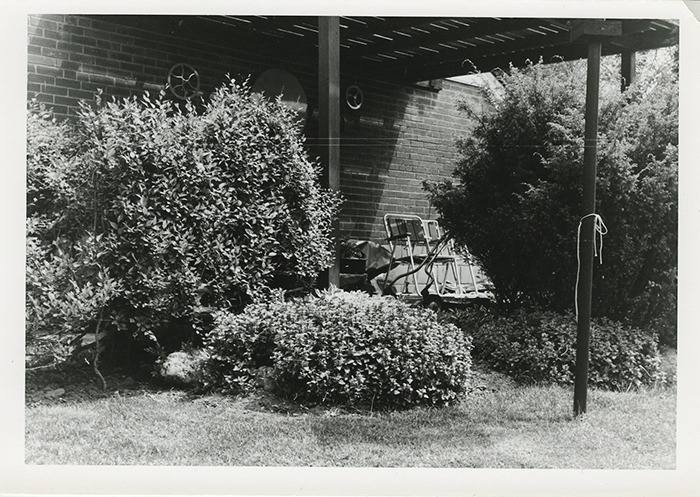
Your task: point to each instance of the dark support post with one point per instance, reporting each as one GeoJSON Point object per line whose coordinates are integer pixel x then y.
{"type": "Point", "coordinates": [629, 70]}
{"type": "Point", "coordinates": [587, 229]}
{"type": "Point", "coordinates": [329, 114]}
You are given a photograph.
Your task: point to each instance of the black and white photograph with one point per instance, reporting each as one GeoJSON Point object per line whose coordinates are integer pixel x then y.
{"type": "Point", "coordinates": [351, 249]}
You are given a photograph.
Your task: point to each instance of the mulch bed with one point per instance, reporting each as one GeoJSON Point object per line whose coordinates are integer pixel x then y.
{"type": "Point", "coordinates": [70, 383]}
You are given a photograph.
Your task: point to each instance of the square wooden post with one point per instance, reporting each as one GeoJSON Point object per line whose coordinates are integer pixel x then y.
{"type": "Point", "coordinates": [629, 69]}
{"type": "Point", "coordinates": [329, 115]}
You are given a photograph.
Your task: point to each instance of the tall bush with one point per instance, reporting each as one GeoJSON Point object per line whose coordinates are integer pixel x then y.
{"type": "Point", "coordinates": [517, 203]}
{"type": "Point", "coordinates": [182, 211]}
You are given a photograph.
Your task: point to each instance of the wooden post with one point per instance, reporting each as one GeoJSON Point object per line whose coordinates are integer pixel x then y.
{"type": "Point", "coordinates": [329, 115]}
{"type": "Point", "coordinates": [629, 69]}
{"type": "Point", "coordinates": [591, 31]}
{"type": "Point", "coordinates": [590, 157]}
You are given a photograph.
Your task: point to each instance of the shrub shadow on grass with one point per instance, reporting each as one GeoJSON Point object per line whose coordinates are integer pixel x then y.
{"type": "Point", "coordinates": [416, 429]}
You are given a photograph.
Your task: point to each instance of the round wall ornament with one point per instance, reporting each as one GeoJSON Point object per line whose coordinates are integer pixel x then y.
{"type": "Point", "coordinates": [278, 83]}
{"type": "Point", "coordinates": [354, 97]}
{"type": "Point", "coordinates": [183, 81]}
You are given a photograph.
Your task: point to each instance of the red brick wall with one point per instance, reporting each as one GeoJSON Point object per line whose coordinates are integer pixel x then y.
{"type": "Point", "coordinates": [400, 137]}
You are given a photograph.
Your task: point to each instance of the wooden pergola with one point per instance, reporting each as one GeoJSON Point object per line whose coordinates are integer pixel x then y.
{"type": "Point", "coordinates": [411, 49]}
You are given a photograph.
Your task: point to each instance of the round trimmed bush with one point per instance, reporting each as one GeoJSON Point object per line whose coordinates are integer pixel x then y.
{"type": "Point", "coordinates": [540, 347]}
{"type": "Point", "coordinates": [342, 348]}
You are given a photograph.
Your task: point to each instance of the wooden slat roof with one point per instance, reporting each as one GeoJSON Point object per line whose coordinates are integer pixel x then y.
{"type": "Point", "coordinates": [411, 49]}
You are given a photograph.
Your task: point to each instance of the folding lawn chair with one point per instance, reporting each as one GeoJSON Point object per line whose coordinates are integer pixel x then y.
{"type": "Point", "coordinates": [470, 285]}
{"type": "Point", "coordinates": [414, 245]}
{"type": "Point", "coordinates": [424, 262]}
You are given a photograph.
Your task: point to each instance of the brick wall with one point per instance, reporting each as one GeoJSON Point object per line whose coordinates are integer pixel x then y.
{"type": "Point", "coordinates": [70, 57]}
{"type": "Point", "coordinates": [400, 137]}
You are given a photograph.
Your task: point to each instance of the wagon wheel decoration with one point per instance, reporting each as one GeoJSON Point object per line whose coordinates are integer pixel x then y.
{"type": "Point", "coordinates": [354, 97]}
{"type": "Point", "coordinates": [183, 80]}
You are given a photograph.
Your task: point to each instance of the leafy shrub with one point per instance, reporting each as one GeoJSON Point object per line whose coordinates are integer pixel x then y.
{"type": "Point", "coordinates": [342, 348]}
{"type": "Point", "coordinates": [51, 148]}
{"type": "Point", "coordinates": [540, 347]}
{"type": "Point", "coordinates": [165, 213]}
{"type": "Point", "coordinates": [49, 144]}
{"type": "Point", "coordinates": [59, 310]}
{"type": "Point", "coordinates": [518, 202]}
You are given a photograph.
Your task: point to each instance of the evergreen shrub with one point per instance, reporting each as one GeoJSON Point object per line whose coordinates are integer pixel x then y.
{"type": "Point", "coordinates": [341, 348]}
{"type": "Point", "coordinates": [540, 347]}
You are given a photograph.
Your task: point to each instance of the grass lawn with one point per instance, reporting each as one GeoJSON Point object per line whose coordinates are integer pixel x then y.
{"type": "Point", "coordinates": [498, 425]}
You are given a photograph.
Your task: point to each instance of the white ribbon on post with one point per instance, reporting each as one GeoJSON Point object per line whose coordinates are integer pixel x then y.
{"type": "Point", "coordinates": [600, 229]}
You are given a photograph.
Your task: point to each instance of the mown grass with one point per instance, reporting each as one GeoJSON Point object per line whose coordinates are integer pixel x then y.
{"type": "Point", "coordinates": [505, 427]}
